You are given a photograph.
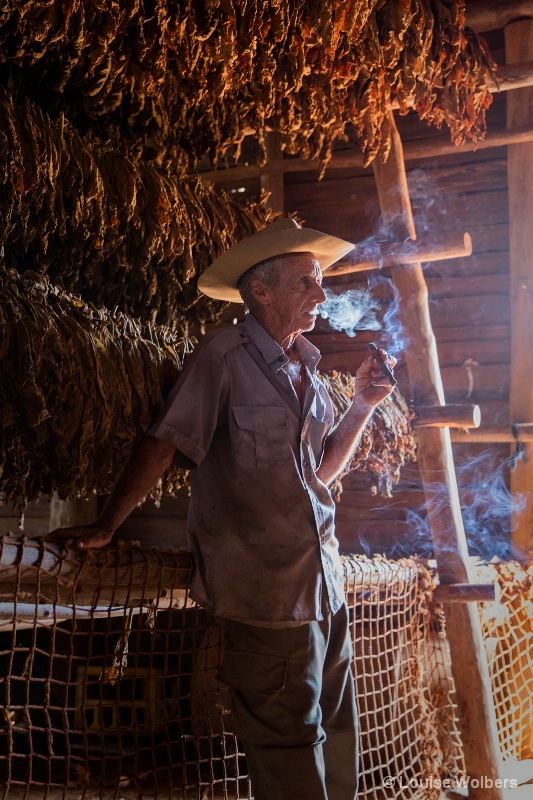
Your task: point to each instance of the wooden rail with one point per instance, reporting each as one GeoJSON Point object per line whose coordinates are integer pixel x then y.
{"type": "Point", "coordinates": [120, 576]}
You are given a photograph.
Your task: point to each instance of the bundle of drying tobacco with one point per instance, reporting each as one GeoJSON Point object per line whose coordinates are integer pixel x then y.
{"type": "Point", "coordinates": [118, 232]}
{"type": "Point", "coordinates": [78, 386]}
{"type": "Point", "coordinates": [187, 79]}
{"type": "Point", "coordinates": [387, 442]}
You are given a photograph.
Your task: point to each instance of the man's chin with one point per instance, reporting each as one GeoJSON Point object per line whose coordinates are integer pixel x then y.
{"type": "Point", "coordinates": [309, 321]}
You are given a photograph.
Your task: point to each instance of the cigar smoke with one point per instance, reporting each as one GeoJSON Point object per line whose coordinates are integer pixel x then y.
{"type": "Point", "coordinates": [486, 507]}
{"type": "Point", "coordinates": [362, 310]}
{"type": "Point", "coordinates": [351, 311]}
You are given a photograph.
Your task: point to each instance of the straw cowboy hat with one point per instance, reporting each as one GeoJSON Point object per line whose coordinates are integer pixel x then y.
{"type": "Point", "coordinates": [220, 279]}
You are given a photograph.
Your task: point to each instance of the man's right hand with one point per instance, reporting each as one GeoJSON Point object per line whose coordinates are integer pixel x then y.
{"type": "Point", "coordinates": [82, 536]}
{"type": "Point", "coordinates": [148, 461]}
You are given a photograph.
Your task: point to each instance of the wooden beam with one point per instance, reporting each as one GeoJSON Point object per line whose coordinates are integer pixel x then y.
{"type": "Point", "coordinates": [466, 593]}
{"type": "Point", "coordinates": [489, 15]}
{"type": "Point", "coordinates": [495, 434]}
{"type": "Point", "coordinates": [440, 248]}
{"type": "Point", "coordinates": [513, 76]}
{"type": "Point", "coordinates": [413, 151]}
{"type": "Point", "coordinates": [519, 45]}
{"type": "Point", "coordinates": [121, 576]}
{"type": "Point", "coordinates": [469, 662]}
{"type": "Point", "coordinates": [453, 416]}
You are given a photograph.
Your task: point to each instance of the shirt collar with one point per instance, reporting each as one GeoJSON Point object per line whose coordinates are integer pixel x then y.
{"type": "Point", "coordinates": [273, 353]}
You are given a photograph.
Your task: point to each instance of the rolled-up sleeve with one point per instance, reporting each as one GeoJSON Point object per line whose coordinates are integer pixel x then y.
{"type": "Point", "coordinates": [191, 412]}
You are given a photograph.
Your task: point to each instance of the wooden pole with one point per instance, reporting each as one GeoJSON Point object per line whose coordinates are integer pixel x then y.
{"type": "Point", "coordinates": [117, 576]}
{"type": "Point", "coordinates": [495, 434]}
{"type": "Point", "coordinates": [488, 15]}
{"type": "Point", "coordinates": [271, 181]}
{"type": "Point", "coordinates": [452, 245]}
{"type": "Point", "coordinates": [477, 718]}
{"type": "Point", "coordinates": [519, 45]}
{"type": "Point", "coordinates": [512, 76]}
{"type": "Point", "coordinates": [452, 415]}
{"type": "Point", "coordinates": [467, 593]}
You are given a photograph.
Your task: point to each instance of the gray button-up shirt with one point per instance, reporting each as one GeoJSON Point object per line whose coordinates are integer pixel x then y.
{"type": "Point", "coordinates": [261, 523]}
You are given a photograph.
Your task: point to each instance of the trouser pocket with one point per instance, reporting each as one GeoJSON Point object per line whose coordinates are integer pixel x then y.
{"type": "Point", "coordinates": [253, 672]}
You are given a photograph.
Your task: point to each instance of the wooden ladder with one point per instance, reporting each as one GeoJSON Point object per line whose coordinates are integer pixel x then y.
{"type": "Point", "coordinates": [477, 718]}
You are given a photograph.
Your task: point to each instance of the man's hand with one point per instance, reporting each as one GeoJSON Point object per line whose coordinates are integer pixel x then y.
{"type": "Point", "coordinates": [148, 461]}
{"type": "Point", "coordinates": [372, 386]}
{"type": "Point", "coordinates": [82, 536]}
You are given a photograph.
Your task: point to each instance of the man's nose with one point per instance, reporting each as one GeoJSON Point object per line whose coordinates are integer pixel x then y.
{"type": "Point", "coordinates": [320, 294]}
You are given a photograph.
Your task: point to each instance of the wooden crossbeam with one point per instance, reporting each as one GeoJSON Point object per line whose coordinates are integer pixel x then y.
{"type": "Point", "coordinates": [350, 159]}
{"type": "Point", "coordinates": [442, 248]}
{"type": "Point", "coordinates": [477, 717]}
{"type": "Point", "coordinates": [489, 15]}
{"type": "Point", "coordinates": [495, 434]}
{"type": "Point", "coordinates": [465, 415]}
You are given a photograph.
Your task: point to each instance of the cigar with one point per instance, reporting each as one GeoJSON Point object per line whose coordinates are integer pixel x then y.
{"type": "Point", "coordinates": [376, 352]}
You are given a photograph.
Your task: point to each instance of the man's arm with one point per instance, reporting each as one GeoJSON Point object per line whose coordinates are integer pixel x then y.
{"type": "Point", "coordinates": [148, 461]}
{"type": "Point", "coordinates": [371, 388]}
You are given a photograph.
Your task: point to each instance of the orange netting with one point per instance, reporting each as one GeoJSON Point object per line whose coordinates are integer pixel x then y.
{"type": "Point", "coordinates": [108, 683]}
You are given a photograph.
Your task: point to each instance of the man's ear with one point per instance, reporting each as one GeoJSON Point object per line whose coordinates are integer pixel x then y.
{"type": "Point", "coordinates": [260, 292]}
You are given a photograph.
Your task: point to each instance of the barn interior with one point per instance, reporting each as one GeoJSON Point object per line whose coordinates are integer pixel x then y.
{"type": "Point", "coordinates": [138, 142]}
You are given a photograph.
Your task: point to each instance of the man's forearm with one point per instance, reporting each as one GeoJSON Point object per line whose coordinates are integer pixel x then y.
{"type": "Point", "coordinates": [149, 460]}
{"type": "Point", "coordinates": [342, 441]}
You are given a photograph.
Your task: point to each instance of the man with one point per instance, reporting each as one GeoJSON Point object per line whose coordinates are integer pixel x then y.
{"type": "Point", "coordinates": [254, 423]}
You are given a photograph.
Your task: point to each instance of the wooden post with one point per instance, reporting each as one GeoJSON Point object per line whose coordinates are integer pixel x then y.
{"type": "Point", "coordinates": [47, 571]}
{"type": "Point", "coordinates": [477, 718]}
{"type": "Point", "coordinates": [274, 182]}
{"type": "Point", "coordinates": [519, 45]}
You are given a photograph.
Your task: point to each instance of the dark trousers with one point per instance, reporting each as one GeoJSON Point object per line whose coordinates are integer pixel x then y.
{"type": "Point", "coordinates": [293, 706]}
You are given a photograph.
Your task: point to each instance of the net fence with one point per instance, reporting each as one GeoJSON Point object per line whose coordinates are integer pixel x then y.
{"type": "Point", "coordinates": [108, 677]}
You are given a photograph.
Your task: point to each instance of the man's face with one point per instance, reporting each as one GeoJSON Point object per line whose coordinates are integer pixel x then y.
{"type": "Point", "coordinates": [294, 301]}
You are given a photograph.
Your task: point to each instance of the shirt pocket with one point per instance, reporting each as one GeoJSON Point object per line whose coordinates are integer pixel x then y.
{"type": "Point", "coordinates": [317, 432]}
{"type": "Point", "coordinates": [261, 436]}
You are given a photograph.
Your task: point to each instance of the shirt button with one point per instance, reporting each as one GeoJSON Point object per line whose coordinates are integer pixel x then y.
{"type": "Point", "coordinates": [280, 358]}
{"type": "Point", "coordinates": [242, 335]}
